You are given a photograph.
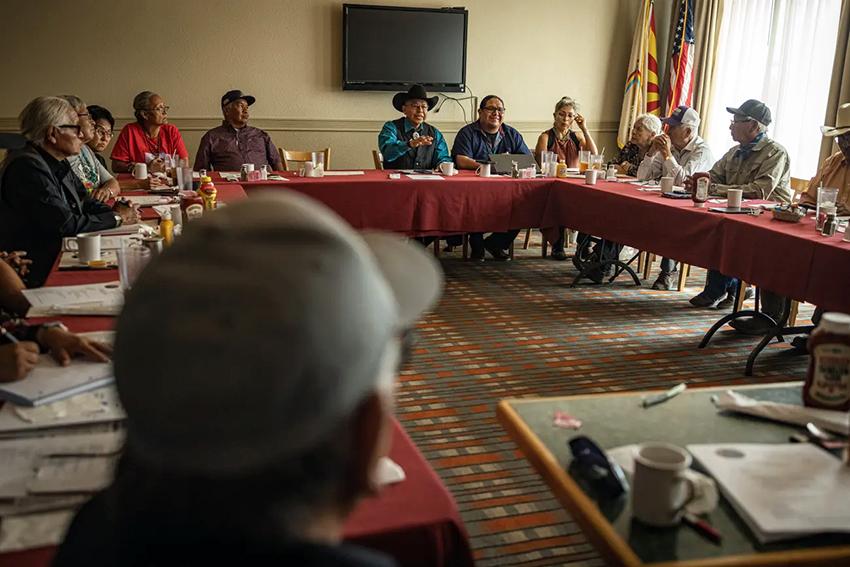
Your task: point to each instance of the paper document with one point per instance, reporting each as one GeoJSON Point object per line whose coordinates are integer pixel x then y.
{"type": "Point", "coordinates": [332, 173]}
{"type": "Point", "coordinates": [424, 177]}
{"type": "Point", "coordinates": [150, 200]}
{"type": "Point", "coordinates": [106, 242]}
{"type": "Point", "coordinates": [70, 260]}
{"type": "Point", "coordinates": [781, 491]}
{"type": "Point", "coordinates": [227, 176]}
{"type": "Point", "coordinates": [72, 474]}
{"type": "Point", "coordinates": [277, 178]}
{"type": "Point", "coordinates": [139, 228]}
{"type": "Point", "coordinates": [88, 299]}
{"type": "Point", "coordinates": [836, 421]}
{"type": "Point", "coordinates": [34, 530]}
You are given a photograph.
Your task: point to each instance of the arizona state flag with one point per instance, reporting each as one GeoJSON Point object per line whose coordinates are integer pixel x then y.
{"type": "Point", "coordinates": [641, 92]}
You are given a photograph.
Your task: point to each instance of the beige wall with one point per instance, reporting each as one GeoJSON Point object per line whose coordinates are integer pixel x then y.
{"type": "Point", "coordinates": [288, 54]}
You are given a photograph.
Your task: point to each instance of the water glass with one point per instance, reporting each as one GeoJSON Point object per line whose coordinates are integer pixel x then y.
{"type": "Point", "coordinates": [132, 260]}
{"type": "Point", "coordinates": [596, 161]}
{"type": "Point", "coordinates": [319, 161]}
{"type": "Point", "coordinates": [826, 204]}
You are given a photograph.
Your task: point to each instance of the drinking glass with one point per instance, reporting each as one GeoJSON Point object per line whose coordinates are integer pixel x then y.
{"type": "Point", "coordinates": [596, 161]}
{"type": "Point", "coordinates": [583, 160]}
{"type": "Point", "coordinates": [826, 204]}
{"type": "Point", "coordinates": [319, 161]}
{"type": "Point", "coordinates": [132, 260]}
{"type": "Point", "coordinates": [544, 163]}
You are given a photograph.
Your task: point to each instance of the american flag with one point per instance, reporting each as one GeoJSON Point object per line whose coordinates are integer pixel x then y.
{"type": "Point", "coordinates": [682, 63]}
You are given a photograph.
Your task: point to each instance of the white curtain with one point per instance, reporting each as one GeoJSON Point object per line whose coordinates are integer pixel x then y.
{"type": "Point", "coordinates": [779, 52]}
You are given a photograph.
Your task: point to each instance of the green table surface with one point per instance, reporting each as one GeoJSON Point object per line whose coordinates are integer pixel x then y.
{"type": "Point", "coordinates": [689, 418]}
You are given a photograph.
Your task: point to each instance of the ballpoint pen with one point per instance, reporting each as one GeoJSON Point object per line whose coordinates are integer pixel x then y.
{"type": "Point", "coordinates": [8, 336]}
{"type": "Point", "coordinates": [664, 396]}
{"type": "Point", "coordinates": [702, 527]}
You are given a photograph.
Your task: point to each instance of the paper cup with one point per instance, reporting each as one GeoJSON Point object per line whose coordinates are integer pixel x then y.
{"type": "Point", "coordinates": [734, 198]}
{"type": "Point", "coordinates": [666, 184]}
{"type": "Point", "coordinates": [590, 176]}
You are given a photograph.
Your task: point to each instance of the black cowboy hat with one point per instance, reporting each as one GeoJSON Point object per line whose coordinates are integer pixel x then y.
{"type": "Point", "coordinates": [416, 91]}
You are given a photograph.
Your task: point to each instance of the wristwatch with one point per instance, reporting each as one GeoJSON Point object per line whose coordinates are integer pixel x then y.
{"type": "Point", "coordinates": [118, 219]}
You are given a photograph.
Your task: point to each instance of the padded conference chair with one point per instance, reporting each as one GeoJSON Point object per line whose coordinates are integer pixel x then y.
{"type": "Point", "coordinates": [299, 156]}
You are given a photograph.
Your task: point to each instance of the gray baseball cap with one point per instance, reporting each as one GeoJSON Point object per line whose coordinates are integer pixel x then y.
{"type": "Point", "coordinates": [755, 109]}
{"type": "Point", "coordinates": [259, 330]}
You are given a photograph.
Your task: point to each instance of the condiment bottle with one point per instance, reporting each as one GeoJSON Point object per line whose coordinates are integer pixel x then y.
{"type": "Point", "coordinates": [166, 228]}
{"type": "Point", "coordinates": [701, 181]}
{"type": "Point", "coordinates": [208, 193]}
{"type": "Point", "coordinates": [562, 168]}
{"type": "Point", "coordinates": [828, 382]}
{"type": "Point", "coordinates": [514, 170]}
{"type": "Point", "coordinates": [192, 205]}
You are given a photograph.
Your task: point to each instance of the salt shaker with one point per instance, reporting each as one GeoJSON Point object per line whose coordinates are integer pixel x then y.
{"type": "Point", "coordinates": [611, 174]}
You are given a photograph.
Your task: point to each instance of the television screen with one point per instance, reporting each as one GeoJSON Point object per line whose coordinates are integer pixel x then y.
{"type": "Point", "coordinates": [375, 53]}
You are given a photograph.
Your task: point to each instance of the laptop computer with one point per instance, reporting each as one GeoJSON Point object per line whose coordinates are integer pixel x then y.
{"type": "Point", "coordinates": [503, 163]}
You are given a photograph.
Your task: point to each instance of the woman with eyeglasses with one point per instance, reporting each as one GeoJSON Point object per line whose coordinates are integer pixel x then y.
{"type": "Point", "coordinates": [150, 139]}
{"type": "Point", "coordinates": [41, 199]}
{"type": "Point", "coordinates": [97, 180]}
{"type": "Point", "coordinates": [104, 126]}
{"type": "Point", "coordinates": [562, 138]}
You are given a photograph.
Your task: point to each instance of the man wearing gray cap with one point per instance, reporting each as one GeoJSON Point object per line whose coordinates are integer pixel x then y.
{"type": "Point", "coordinates": [227, 147]}
{"type": "Point", "coordinates": [255, 359]}
{"type": "Point", "coordinates": [760, 168]}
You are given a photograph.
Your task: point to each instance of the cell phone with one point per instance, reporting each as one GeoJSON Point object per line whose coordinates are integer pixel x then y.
{"type": "Point", "coordinates": [594, 466]}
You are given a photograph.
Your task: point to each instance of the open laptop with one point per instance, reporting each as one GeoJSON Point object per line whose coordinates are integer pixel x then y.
{"type": "Point", "coordinates": [503, 163]}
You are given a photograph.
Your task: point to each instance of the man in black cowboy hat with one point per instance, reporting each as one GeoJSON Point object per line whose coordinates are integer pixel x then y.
{"type": "Point", "coordinates": [409, 142]}
{"type": "Point", "coordinates": [228, 146]}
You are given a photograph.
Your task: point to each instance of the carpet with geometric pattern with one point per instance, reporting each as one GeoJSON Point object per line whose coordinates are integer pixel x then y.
{"type": "Point", "coordinates": [517, 329]}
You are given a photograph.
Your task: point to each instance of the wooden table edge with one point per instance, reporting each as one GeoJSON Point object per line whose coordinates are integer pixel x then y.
{"type": "Point", "coordinates": [601, 533]}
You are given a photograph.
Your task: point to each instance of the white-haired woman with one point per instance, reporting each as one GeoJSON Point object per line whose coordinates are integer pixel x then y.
{"type": "Point", "coordinates": [645, 128]}
{"type": "Point", "coordinates": [94, 175]}
{"type": "Point", "coordinates": [41, 200]}
{"type": "Point", "coordinates": [150, 139]}
{"type": "Point", "coordinates": [562, 138]}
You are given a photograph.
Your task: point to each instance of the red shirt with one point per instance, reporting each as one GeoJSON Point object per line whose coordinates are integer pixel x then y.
{"type": "Point", "coordinates": [134, 145]}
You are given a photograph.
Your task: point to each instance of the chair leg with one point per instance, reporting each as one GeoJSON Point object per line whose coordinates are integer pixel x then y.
{"type": "Point", "coordinates": [740, 299]}
{"type": "Point", "coordinates": [567, 235]}
{"type": "Point", "coordinates": [641, 259]}
{"type": "Point", "coordinates": [544, 247]}
{"type": "Point", "coordinates": [511, 249]}
{"type": "Point", "coordinates": [465, 247]}
{"type": "Point", "coordinates": [527, 238]}
{"type": "Point", "coordinates": [437, 248]}
{"type": "Point", "coordinates": [647, 267]}
{"type": "Point", "coordinates": [684, 272]}
{"type": "Point", "coordinates": [792, 316]}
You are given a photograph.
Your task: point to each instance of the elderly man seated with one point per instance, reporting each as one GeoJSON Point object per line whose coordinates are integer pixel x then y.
{"type": "Point", "coordinates": [759, 167]}
{"type": "Point", "coordinates": [252, 450]}
{"type": "Point", "coordinates": [477, 142]}
{"type": "Point", "coordinates": [41, 199]}
{"type": "Point", "coordinates": [409, 142]}
{"type": "Point", "coordinates": [678, 154]}
{"type": "Point", "coordinates": [227, 147]}
{"type": "Point", "coordinates": [835, 170]}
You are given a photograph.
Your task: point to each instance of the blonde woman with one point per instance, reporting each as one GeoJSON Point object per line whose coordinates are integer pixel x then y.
{"type": "Point", "coordinates": [562, 138]}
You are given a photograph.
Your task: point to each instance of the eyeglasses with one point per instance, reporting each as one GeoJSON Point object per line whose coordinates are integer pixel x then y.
{"type": "Point", "coordinates": [494, 109]}
{"type": "Point", "coordinates": [75, 127]}
{"type": "Point", "coordinates": [163, 109]}
{"type": "Point", "coordinates": [737, 120]}
{"type": "Point", "coordinates": [593, 465]}
{"type": "Point", "coordinates": [103, 132]}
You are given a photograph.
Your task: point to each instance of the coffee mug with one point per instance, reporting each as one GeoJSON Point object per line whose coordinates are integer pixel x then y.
{"type": "Point", "coordinates": [663, 485]}
{"type": "Point", "coordinates": [140, 171]}
{"type": "Point", "coordinates": [309, 169]}
{"type": "Point", "coordinates": [666, 184]}
{"type": "Point", "coordinates": [734, 198]}
{"type": "Point", "coordinates": [590, 176]}
{"type": "Point", "coordinates": [447, 168]}
{"type": "Point", "coordinates": [483, 170]}
{"type": "Point", "coordinates": [87, 246]}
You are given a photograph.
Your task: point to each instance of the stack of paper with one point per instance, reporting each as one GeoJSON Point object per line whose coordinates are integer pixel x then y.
{"type": "Point", "coordinates": [89, 299]}
{"type": "Point", "coordinates": [781, 491]}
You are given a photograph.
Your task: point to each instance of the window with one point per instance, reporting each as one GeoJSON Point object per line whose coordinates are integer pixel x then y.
{"type": "Point", "coordinates": [780, 52]}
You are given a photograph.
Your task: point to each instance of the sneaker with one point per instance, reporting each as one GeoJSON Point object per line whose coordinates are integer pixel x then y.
{"type": "Point", "coordinates": [664, 282]}
{"type": "Point", "coordinates": [751, 326]}
{"type": "Point", "coordinates": [729, 301]}
{"type": "Point", "coordinates": [702, 300]}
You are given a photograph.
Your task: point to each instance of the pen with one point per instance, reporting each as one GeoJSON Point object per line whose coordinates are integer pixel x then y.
{"type": "Point", "coordinates": [664, 396]}
{"type": "Point", "coordinates": [8, 336]}
{"type": "Point", "coordinates": [702, 527]}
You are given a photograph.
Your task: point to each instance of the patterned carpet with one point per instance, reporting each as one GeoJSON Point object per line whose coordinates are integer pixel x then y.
{"type": "Point", "coordinates": [516, 329]}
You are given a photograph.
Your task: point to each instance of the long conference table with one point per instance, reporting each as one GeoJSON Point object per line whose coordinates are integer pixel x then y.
{"type": "Point", "coordinates": [416, 521]}
{"type": "Point", "coordinates": [790, 259]}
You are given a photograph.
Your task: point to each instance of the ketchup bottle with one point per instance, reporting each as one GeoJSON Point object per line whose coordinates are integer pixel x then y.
{"type": "Point", "coordinates": [828, 382]}
{"type": "Point", "coordinates": [700, 194]}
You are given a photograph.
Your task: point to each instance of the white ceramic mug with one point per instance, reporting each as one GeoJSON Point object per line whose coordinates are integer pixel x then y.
{"type": "Point", "coordinates": [447, 168]}
{"type": "Point", "coordinates": [88, 247]}
{"type": "Point", "coordinates": [483, 170]}
{"type": "Point", "coordinates": [309, 169]}
{"type": "Point", "coordinates": [140, 171]}
{"type": "Point", "coordinates": [666, 184]}
{"type": "Point", "coordinates": [734, 198]}
{"type": "Point", "coordinates": [590, 176]}
{"type": "Point", "coordinates": [663, 485]}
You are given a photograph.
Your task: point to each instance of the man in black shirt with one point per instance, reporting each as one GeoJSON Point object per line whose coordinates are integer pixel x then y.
{"type": "Point", "coordinates": [41, 199]}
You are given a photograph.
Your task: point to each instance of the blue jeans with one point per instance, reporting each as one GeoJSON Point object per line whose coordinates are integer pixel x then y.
{"type": "Point", "coordinates": [716, 284]}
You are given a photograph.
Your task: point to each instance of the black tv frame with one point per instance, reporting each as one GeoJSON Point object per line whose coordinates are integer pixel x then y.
{"type": "Point", "coordinates": [379, 86]}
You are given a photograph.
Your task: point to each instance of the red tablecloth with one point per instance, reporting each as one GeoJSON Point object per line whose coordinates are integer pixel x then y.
{"type": "Point", "coordinates": [416, 521]}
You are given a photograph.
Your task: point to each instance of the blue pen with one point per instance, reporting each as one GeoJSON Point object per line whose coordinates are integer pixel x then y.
{"type": "Point", "coordinates": [9, 336]}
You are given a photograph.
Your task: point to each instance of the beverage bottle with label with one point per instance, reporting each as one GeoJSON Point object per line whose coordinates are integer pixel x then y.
{"type": "Point", "coordinates": [208, 193]}
{"type": "Point", "coordinates": [828, 382]}
{"type": "Point", "coordinates": [701, 184]}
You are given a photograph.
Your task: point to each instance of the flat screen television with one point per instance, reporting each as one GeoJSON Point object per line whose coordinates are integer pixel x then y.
{"type": "Point", "coordinates": [376, 54]}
